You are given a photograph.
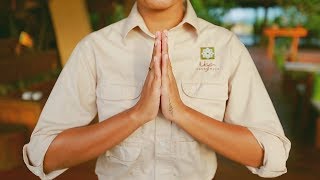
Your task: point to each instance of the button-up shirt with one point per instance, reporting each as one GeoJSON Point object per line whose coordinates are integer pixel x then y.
{"type": "Point", "coordinates": [215, 75]}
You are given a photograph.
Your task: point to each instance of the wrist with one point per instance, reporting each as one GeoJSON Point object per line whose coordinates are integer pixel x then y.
{"type": "Point", "coordinates": [180, 113]}
{"type": "Point", "coordinates": [134, 116]}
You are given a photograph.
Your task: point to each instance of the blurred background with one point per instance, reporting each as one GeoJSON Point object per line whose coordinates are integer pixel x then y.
{"type": "Point", "coordinates": [283, 37]}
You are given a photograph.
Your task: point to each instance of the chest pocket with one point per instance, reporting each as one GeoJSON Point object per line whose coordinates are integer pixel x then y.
{"type": "Point", "coordinates": [116, 97]}
{"type": "Point", "coordinates": [208, 98]}
{"type": "Point", "coordinates": [205, 90]}
{"type": "Point", "coordinates": [120, 91]}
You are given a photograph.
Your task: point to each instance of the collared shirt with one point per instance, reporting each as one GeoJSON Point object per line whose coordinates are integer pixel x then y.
{"type": "Point", "coordinates": [215, 75]}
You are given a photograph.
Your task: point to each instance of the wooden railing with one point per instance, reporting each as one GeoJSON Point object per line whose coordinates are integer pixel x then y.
{"type": "Point", "coordinates": [295, 33]}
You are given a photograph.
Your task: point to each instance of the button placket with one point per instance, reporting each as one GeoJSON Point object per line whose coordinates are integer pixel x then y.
{"type": "Point", "coordinates": [163, 149]}
{"type": "Point", "coordinates": [163, 137]}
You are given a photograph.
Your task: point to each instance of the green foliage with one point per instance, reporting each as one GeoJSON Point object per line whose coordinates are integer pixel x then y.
{"type": "Point", "coordinates": [316, 87]}
{"type": "Point", "coordinates": [291, 17]}
{"type": "Point", "coordinates": [212, 10]}
{"type": "Point", "coordinates": [309, 9]}
{"type": "Point", "coordinates": [310, 6]}
{"type": "Point", "coordinates": [119, 13]}
{"type": "Point", "coordinates": [281, 50]}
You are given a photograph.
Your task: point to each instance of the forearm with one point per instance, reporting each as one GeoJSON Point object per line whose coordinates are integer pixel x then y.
{"type": "Point", "coordinates": [77, 145]}
{"type": "Point", "coordinates": [232, 141]}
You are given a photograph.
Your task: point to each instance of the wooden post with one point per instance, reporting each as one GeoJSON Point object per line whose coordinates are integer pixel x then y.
{"type": "Point", "coordinates": [271, 47]}
{"type": "Point", "coordinates": [71, 23]}
{"type": "Point", "coordinates": [294, 49]}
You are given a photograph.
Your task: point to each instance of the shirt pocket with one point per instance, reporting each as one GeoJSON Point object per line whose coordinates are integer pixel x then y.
{"type": "Point", "coordinates": [120, 91]}
{"type": "Point", "coordinates": [125, 153]}
{"type": "Point", "coordinates": [208, 98]}
{"type": "Point", "coordinates": [217, 91]}
{"type": "Point", "coordinates": [116, 97]}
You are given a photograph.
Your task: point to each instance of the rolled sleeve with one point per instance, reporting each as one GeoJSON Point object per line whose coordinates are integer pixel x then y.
{"type": "Point", "coordinates": [72, 103]}
{"type": "Point", "coordinates": [276, 151]}
{"type": "Point", "coordinates": [36, 167]}
{"type": "Point", "coordinates": [249, 105]}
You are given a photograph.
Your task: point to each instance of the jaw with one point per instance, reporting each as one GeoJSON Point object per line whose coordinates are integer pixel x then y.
{"type": "Point", "coordinates": [158, 5]}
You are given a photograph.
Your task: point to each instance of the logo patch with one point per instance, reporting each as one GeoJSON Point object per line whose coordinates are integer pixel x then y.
{"type": "Point", "coordinates": [207, 53]}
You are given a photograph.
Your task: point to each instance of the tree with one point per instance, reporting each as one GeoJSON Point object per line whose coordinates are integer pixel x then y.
{"type": "Point", "coordinates": [212, 10]}
{"type": "Point", "coordinates": [310, 10]}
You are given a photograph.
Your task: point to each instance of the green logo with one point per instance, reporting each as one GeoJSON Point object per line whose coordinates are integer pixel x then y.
{"type": "Point", "coordinates": [207, 53]}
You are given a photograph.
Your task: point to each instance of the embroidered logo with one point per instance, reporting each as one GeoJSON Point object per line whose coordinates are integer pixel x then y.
{"type": "Point", "coordinates": [207, 53]}
{"type": "Point", "coordinates": [207, 57]}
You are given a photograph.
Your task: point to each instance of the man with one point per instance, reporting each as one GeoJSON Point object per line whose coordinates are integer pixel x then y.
{"type": "Point", "coordinates": [162, 118]}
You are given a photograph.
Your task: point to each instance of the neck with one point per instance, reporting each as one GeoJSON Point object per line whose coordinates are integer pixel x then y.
{"type": "Point", "coordinates": [159, 20]}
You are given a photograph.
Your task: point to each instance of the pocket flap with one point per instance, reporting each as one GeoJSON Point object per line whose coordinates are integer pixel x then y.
{"type": "Point", "coordinates": [119, 91]}
{"type": "Point", "coordinates": [125, 152]}
{"type": "Point", "coordinates": [205, 90]}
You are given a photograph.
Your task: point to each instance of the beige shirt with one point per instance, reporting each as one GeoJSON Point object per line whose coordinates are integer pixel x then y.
{"type": "Point", "coordinates": [215, 75]}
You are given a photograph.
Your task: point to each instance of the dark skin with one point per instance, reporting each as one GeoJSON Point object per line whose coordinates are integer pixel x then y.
{"type": "Point", "coordinates": [160, 90]}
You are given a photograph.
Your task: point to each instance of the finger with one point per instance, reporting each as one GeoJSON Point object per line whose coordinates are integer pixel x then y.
{"type": "Point", "coordinates": [151, 64]}
{"type": "Point", "coordinates": [157, 73]}
{"type": "Point", "coordinates": [158, 47]}
{"type": "Point", "coordinates": [164, 36]}
{"type": "Point", "coordinates": [164, 67]}
{"type": "Point", "coordinates": [157, 68]}
{"type": "Point", "coordinates": [169, 68]}
{"type": "Point", "coordinates": [157, 43]}
{"type": "Point", "coordinates": [165, 55]}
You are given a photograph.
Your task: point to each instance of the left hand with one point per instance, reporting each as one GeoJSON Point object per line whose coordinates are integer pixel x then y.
{"type": "Point", "coordinates": [171, 103]}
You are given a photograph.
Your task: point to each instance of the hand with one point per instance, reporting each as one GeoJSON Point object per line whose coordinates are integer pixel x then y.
{"type": "Point", "coordinates": [171, 103]}
{"type": "Point", "coordinates": [147, 107]}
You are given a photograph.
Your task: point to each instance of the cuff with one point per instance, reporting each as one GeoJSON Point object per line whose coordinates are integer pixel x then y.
{"type": "Point", "coordinates": [276, 152]}
{"type": "Point", "coordinates": [37, 168]}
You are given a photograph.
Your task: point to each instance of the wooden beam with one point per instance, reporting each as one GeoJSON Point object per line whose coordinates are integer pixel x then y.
{"type": "Point", "coordinates": [71, 23]}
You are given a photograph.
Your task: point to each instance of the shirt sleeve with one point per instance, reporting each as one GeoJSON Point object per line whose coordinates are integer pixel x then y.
{"type": "Point", "coordinates": [249, 105]}
{"type": "Point", "coordinates": [72, 103]}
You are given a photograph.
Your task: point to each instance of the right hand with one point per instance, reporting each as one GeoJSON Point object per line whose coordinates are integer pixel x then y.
{"type": "Point", "coordinates": [147, 107]}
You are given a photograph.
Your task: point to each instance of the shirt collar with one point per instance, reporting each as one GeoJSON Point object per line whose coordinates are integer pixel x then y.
{"type": "Point", "coordinates": [191, 17]}
{"type": "Point", "coordinates": [135, 19]}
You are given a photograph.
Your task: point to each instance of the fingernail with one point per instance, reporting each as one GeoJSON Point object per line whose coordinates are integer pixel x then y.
{"type": "Point", "coordinates": [157, 34]}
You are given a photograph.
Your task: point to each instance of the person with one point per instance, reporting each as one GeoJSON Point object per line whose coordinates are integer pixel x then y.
{"type": "Point", "coordinates": [170, 90]}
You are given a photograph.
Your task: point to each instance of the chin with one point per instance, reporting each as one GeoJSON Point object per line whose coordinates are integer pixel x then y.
{"type": "Point", "coordinates": [158, 4]}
